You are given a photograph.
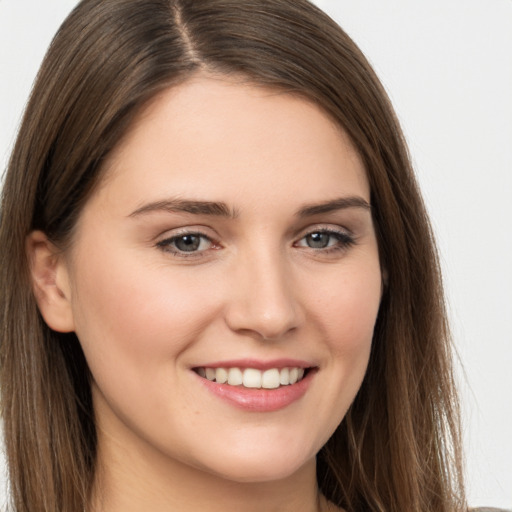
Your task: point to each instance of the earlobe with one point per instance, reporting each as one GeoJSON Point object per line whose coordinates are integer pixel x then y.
{"type": "Point", "coordinates": [50, 282]}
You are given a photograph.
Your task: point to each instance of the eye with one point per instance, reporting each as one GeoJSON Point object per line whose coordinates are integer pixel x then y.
{"type": "Point", "coordinates": [320, 240]}
{"type": "Point", "coordinates": [186, 243]}
{"type": "Point", "coordinates": [326, 239]}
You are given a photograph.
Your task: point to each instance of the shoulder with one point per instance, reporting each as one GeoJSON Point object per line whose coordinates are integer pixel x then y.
{"type": "Point", "coordinates": [489, 509]}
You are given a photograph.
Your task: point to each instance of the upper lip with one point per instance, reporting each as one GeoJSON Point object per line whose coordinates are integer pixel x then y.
{"type": "Point", "coordinates": [258, 364]}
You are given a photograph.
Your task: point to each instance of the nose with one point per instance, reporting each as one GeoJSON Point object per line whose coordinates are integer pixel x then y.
{"type": "Point", "coordinates": [263, 298]}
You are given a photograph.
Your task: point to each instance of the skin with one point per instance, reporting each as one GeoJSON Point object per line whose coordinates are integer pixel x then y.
{"type": "Point", "coordinates": [146, 314]}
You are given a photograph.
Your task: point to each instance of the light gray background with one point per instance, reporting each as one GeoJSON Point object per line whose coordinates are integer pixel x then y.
{"type": "Point", "coordinates": [447, 65]}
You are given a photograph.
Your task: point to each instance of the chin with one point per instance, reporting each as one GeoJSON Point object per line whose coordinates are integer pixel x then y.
{"type": "Point", "coordinates": [259, 467]}
{"type": "Point", "coordinates": [247, 473]}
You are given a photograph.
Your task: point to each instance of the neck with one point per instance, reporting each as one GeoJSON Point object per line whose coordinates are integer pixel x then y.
{"type": "Point", "coordinates": [141, 478]}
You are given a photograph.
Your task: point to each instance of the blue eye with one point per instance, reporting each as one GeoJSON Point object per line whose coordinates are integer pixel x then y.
{"type": "Point", "coordinates": [319, 240]}
{"type": "Point", "coordinates": [186, 243]}
{"type": "Point", "coordinates": [326, 239]}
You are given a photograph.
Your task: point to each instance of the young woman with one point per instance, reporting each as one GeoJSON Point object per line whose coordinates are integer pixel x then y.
{"type": "Point", "coordinates": [219, 286]}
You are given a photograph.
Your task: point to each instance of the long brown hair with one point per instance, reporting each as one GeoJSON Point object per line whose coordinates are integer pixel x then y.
{"type": "Point", "coordinates": [398, 448]}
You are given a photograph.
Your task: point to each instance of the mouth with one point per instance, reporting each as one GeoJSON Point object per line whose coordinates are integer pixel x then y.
{"type": "Point", "coordinates": [258, 386]}
{"type": "Point", "coordinates": [253, 378]}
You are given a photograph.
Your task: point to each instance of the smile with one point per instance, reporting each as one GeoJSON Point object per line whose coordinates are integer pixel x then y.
{"type": "Point", "coordinates": [253, 378]}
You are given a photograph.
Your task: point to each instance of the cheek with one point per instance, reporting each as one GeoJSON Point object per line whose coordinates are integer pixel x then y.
{"type": "Point", "coordinates": [128, 312]}
{"type": "Point", "coordinates": [343, 310]}
{"type": "Point", "coordinates": [348, 306]}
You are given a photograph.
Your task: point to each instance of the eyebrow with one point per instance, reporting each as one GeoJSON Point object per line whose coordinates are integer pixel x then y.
{"type": "Point", "coordinates": [220, 209]}
{"type": "Point", "coordinates": [194, 207]}
{"type": "Point", "coordinates": [333, 205]}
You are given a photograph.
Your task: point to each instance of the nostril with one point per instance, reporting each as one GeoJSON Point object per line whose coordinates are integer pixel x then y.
{"type": "Point", "coordinates": [263, 303]}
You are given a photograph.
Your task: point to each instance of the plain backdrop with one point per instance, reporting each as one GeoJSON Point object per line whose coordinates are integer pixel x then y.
{"type": "Point", "coordinates": [447, 65]}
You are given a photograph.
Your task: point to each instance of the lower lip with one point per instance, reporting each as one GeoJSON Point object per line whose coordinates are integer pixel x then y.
{"type": "Point", "coordinates": [260, 400]}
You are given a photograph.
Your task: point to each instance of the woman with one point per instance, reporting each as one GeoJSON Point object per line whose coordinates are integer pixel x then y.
{"type": "Point", "coordinates": [221, 288]}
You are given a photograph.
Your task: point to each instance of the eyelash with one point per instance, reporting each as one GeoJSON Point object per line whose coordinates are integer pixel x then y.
{"type": "Point", "coordinates": [167, 245]}
{"type": "Point", "coordinates": [344, 242]}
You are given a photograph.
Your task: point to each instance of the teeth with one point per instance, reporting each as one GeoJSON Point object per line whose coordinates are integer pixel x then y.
{"type": "Point", "coordinates": [221, 375]}
{"type": "Point", "coordinates": [253, 378]}
{"type": "Point", "coordinates": [270, 379]}
{"type": "Point", "coordinates": [235, 377]}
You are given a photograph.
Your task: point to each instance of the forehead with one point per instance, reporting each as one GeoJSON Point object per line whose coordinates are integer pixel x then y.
{"type": "Point", "coordinates": [217, 136]}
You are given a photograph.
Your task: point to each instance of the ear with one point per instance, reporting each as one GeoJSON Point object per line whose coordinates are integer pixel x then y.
{"type": "Point", "coordinates": [50, 282]}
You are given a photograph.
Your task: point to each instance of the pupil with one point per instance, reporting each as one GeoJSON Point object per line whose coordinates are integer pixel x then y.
{"type": "Point", "coordinates": [318, 240]}
{"type": "Point", "coordinates": [188, 243]}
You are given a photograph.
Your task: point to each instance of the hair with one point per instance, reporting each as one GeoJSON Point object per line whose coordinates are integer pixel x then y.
{"type": "Point", "coordinates": [398, 448]}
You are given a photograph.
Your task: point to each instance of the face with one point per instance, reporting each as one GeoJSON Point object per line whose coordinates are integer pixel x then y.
{"type": "Point", "coordinates": [225, 281]}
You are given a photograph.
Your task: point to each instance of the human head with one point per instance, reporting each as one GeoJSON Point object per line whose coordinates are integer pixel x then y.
{"type": "Point", "coordinates": [109, 59]}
